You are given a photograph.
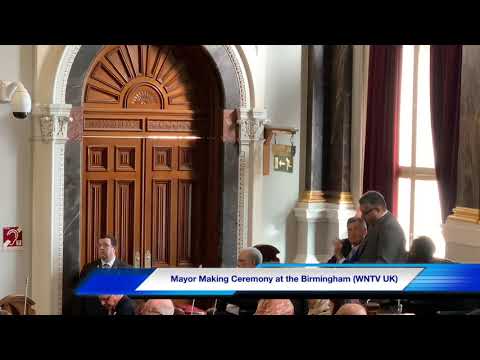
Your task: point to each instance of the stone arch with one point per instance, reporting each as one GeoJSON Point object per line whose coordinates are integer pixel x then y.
{"type": "Point", "coordinates": [235, 75]}
{"type": "Point", "coordinates": [68, 85]}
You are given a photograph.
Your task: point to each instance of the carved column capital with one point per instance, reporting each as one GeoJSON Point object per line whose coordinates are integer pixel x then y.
{"type": "Point", "coordinates": [53, 121]}
{"type": "Point", "coordinates": [50, 135]}
{"type": "Point", "coordinates": [251, 124]}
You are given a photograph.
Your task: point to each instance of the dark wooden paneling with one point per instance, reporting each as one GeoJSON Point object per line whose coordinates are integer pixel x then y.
{"type": "Point", "coordinates": [96, 214]}
{"type": "Point", "coordinates": [97, 158]}
{"type": "Point", "coordinates": [161, 222]}
{"type": "Point", "coordinates": [160, 76]}
{"type": "Point", "coordinates": [185, 251]}
{"type": "Point", "coordinates": [159, 197]}
{"type": "Point", "coordinates": [124, 221]}
{"type": "Point", "coordinates": [112, 189]}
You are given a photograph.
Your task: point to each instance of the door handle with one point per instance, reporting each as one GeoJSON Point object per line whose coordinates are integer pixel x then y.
{"type": "Point", "coordinates": [148, 259]}
{"type": "Point", "coordinates": [137, 260]}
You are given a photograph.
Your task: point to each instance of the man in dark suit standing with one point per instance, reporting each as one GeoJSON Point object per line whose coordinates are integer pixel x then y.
{"type": "Point", "coordinates": [107, 260]}
{"type": "Point", "coordinates": [385, 241]}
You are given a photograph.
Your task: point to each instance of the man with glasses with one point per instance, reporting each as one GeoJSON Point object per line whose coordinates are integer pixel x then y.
{"type": "Point", "coordinates": [107, 260]}
{"type": "Point", "coordinates": [385, 241]}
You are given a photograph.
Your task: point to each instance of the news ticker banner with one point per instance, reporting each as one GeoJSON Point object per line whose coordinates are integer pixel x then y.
{"type": "Point", "coordinates": [286, 278]}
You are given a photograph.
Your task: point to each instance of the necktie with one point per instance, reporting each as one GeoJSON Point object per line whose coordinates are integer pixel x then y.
{"type": "Point", "coordinates": [353, 253]}
{"type": "Point", "coordinates": [106, 266]}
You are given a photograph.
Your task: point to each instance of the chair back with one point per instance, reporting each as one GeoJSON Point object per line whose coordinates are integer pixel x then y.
{"type": "Point", "coordinates": [15, 305]}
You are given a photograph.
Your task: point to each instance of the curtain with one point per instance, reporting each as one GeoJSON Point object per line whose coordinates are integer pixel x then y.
{"type": "Point", "coordinates": [383, 108]}
{"type": "Point", "coordinates": [445, 80]}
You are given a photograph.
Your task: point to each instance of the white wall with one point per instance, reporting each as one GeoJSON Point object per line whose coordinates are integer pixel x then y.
{"type": "Point", "coordinates": [281, 190]}
{"type": "Point", "coordinates": [16, 63]}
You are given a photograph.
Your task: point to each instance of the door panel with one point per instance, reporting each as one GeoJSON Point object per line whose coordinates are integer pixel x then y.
{"type": "Point", "coordinates": [160, 222]}
{"type": "Point", "coordinates": [112, 193]}
{"type": "Point", "coordinates": [95, 214]}
{"type": "Point", "coordinates": [172, 216]}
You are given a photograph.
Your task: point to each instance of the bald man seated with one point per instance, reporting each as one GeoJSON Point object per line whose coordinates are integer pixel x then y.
{"type": "Point", "coordinates": [158, 307]}
{"type": "Point", "coordinates": [351, 309]}
{"type": "Point", "coordinates": [244, 306]}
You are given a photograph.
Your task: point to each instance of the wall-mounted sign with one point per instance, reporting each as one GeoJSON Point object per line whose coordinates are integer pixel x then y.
{"type": "Point", "coordinates": [12, 238]}
{"type": "Point", "coordinates": [283, 157]}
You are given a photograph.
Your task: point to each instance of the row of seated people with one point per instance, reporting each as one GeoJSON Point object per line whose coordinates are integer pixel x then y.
{"type": "Point", "coordinates": [248, 258]}
{"type": "Point", "coordinates": [422, 251]}
{"type": "Point", "coordinates": [346, 251]}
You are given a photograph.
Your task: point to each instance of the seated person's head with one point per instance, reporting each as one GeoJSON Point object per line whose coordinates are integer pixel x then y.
{"type": "Point", "coordinates": [269, 253]}
{"type": "Point", "coordinates": [249, 258]}
{"type": "Point", "coordinates": [357, 230]}
{"type": "Point", "coordinates": [110, 302]}
{"type": "Point", "coordinates": [106, 248]}
{"type": "Point", "coordinates": [422, 250]}
{"type": "Point", "coordinates": [351, 309]}
{"type": "Point", "coordinates": [158, 307]}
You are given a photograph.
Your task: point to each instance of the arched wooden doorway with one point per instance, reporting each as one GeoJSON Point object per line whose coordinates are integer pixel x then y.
{"type": "Point", "coordinates": [151, 155]}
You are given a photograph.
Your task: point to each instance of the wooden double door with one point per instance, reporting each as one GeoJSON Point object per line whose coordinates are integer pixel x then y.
{"type": "Point", "coordinates": [149, 194]}
{"type": "Point", "coordinates": [151, 155]}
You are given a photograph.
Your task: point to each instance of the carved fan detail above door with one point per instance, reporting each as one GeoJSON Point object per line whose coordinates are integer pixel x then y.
{"type": "Point", "coordinates": [141, 76]}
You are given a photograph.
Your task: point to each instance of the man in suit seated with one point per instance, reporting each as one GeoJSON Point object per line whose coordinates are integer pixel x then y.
{"type": "Point", "coordinates": [248, 258]}
{"type": "Point", "coordinates": [357, 231]}
{"type": "Point", "coordinates": [107, 260]}
{"type": "Point", "coordinates": [117, 305]}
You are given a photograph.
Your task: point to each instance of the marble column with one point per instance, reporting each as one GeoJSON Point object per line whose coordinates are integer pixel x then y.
{"type": "Point", "coordinates": [251, 137]}
{"type": "Point", "coordinates": [359, 118]}
{"type": "Point", "coordinates": [326, 203]}
{"type": "Point", "coordinates": [462, 229]}
{"type": "Point", "coordinates": [50, 134]}
{"type": "Point", "coordinates": [337, 143]}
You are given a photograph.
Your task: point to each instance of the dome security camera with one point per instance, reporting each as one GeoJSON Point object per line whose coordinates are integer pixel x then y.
{"type": "Point", "coordinates": [16, 94]}
{"type": "Point", "coordinates": [21, 102]}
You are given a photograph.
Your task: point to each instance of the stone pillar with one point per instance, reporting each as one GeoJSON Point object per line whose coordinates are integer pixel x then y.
{"type": "Point", "coordinates": [359, 118]}
{"type": "Point", "coordinates": [251, 126]}
{"type": "Point", "coordinates": [50, 134]}
{"type": "Point", "coordinates": [462, 229]}
{"type": "Point", "coordinates": [337, 144]}
{"type": "Point", "coordinates": [326, 203]}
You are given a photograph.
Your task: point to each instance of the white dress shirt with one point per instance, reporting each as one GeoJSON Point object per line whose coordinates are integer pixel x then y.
{"type": "Point", "coordinates": [108, 262]}
{"type": "Point", "coordinates": [353, 251]}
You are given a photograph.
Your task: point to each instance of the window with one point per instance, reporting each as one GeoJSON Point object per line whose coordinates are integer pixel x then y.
{"type": "Point", "coordinates": [419, 211]}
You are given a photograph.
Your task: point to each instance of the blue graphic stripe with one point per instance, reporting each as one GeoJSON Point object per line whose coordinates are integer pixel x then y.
{"type": "Point", "coordinates": [447, 278]}
{"type": "Point", "coordinates": [273, 265]}
{"type": "Point", "coordinates": [180, 293]}
{"type": "Point", "coordinates": [113, 281]}
{"type": "Point", "coordinates": [434, 278]}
